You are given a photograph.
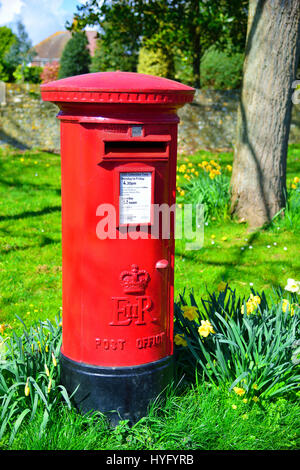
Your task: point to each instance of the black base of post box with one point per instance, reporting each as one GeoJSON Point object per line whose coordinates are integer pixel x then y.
{"type": "Point", "coordinates": [118, 392]}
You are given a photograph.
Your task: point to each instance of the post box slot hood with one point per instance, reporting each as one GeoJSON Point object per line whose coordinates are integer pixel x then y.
{"type": "Point", "coordinates": [117, 87]}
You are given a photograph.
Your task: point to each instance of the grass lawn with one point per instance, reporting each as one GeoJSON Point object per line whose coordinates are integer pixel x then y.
{"type": "Point", "coordinates": [187, 421]}
{"type": "Point", "coordinates": [30, 241]}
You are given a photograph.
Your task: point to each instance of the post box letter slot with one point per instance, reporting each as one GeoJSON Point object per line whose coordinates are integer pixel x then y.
{"type": "Point", "coordinates": [132, 149]}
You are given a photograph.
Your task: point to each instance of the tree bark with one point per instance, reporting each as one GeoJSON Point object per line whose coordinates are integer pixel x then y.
{"type": "Point", "coordinates": [271, 58]}
{"type": "Point", "coordinates": [195, 32]}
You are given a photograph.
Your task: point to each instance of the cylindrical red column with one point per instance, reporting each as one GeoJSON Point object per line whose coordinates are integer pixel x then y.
{"type": "Point", "coordinates": [118, 161]}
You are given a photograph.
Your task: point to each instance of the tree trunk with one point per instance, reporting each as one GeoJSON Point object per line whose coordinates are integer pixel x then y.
{"type": "Point", "coordinates": [195, 33]}
{"type": "Point", "coordinates": [271, 58]}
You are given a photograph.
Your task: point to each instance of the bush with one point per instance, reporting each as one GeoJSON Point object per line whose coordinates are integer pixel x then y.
{"type": "Point", "coordinates": [220, 70]}
{"type": "Point", "coordinates": [28, 74]}
{"type": "Point", "coordinates": [113, 55]}
{"type": "Point", "coordinates": [246, 345]}
{"type": "Point", "coordinates": [156, 63]}
{"type": "Point", "coordinates": [50, 72]}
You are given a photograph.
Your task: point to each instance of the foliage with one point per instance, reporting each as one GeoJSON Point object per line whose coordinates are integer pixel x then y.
{"type": "Point", "coordinates": [29, 74]}
{"type": "Point", "coordinates": [185, 28]}
{"type": "Point", "coordinates": [50, 72]}
{"type": "Point", "coordinates": [155, 62]}
{"type": "Point", "coordinates": [113, 55]}
{"type": "Point", "coordinates": [221, 70]}
{"type": "Point", "coordinates": [21, 51]}
{"type": "Point", "coordinates": [75, 59]}
{"type": "Point", "coordinates": [7, 38]}
{"type": "Point", "coordinates": [29, 376]}
{"type": "Point", "coordinates": [245, 344]}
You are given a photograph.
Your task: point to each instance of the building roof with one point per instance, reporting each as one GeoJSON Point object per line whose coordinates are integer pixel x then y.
{"type": "Point", "coordinates": [52, 47]}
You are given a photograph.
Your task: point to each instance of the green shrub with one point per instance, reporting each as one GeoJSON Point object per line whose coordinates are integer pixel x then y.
{"type": "Point", "coordinates": [220, 70]}
{"type": "Point", "coordinates": [155, 62]}
{"type": "Point", "coordinates": [247, 345]}
{"type": "Point", "coordinates": [29, 74]}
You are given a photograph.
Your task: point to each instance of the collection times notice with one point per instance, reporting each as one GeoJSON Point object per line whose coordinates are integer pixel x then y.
{"type": "Point", "coordinates": [135, 197]}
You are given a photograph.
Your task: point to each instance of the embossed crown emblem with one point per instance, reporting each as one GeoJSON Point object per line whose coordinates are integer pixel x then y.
{"type": "Point", "coordinates": [134, 281]}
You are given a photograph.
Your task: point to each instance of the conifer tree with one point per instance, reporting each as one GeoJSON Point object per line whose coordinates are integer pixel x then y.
{"type": "Point", "coordinates": [75, 59]}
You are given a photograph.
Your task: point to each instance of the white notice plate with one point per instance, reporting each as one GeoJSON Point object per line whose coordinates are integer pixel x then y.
{"type": "Point", "coordinates": [135, 197]}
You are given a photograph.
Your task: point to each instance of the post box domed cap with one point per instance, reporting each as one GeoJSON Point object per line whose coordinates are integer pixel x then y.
{"type": "Point", "coordinates": [117, 87]}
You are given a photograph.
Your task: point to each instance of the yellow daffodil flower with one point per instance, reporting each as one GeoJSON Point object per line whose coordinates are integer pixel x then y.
{"type": "Point", "coordinates": [190, 312]}
{"type": "Point", "coordinates": [222, 286]}
{"type": "Point", "coordinates": [206, 328]}
{"type": "Point", "coordinates": [27, 389]}
{"type": "Point", "coordinates": [179, 340]}
{"type": "Point", "coordinates": [251, 304]}
{"type": "Point", "coordinates": [239, 391]}
{"type": "Point", "coordinates": [47, 370]}
{"type": "Point", "coordinates": [54, 360]}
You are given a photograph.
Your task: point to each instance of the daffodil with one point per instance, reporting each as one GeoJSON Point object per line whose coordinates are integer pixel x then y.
{"type": "Point", "coordinates": [47, 370]}
{"type": "Point", "coordinates": [222, 286]}
{"type": "Point", "coordinates": [190, 312]}
{"type": "Point", "coordinates": [251, 304]}
{"type": "Point", "coordinates": [239, 391]}
{"type": "Point", "coordinates": [205, 328]}
{"type": "Point", "coordinates": [292, 285]}
{"type": "Point", "coordinates": [27, 389]}
{"type": "Point", "coordinates": [296, 179]}
{"type": "Point", "coordinates": [179, 340]}
{"type": "Point", "coordinates": [54, 361]}
{"type": "Point", "coordinates": [285, 305]}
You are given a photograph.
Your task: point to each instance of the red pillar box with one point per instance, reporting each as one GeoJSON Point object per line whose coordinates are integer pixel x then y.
{"type": "Point", "coordinates": [118, 162]}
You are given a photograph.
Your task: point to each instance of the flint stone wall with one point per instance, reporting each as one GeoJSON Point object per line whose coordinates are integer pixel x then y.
{"type": "Point", "coordinates": [209, 122]}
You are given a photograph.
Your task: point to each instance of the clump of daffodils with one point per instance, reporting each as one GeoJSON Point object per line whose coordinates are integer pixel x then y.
{"type": "Point", "coordinates": [212, 168]}
{"type": "Point", "coordinates": [189, 170]}
{"type": "Point", "coordinates": [251, 304]}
